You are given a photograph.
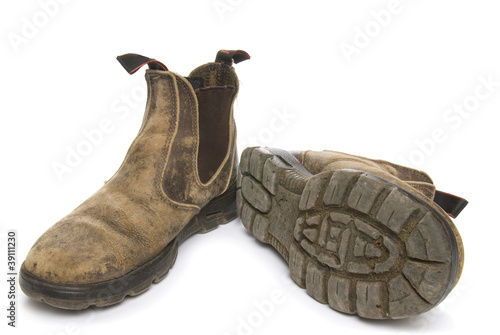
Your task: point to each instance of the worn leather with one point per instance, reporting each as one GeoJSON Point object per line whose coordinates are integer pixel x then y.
{"type": "Point", "coordinates": [408, 178]}
{"type": "Point", "coordinates": [153, 195]}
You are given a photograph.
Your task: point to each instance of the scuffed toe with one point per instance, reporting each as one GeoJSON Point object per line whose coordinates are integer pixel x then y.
{"type": "Point", "coordinates": [72, 253]}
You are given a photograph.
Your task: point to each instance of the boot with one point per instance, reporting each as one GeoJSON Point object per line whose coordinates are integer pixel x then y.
{"type": "Point", "coordinates": [178, 178]}
{"type": "Point", "coordinates": [367, 237]}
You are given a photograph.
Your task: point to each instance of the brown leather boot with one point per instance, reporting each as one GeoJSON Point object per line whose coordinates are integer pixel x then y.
{"type": "Point", "coordinates": [368, 237]}
{"type": "Point", "coordinates": [178, 178]}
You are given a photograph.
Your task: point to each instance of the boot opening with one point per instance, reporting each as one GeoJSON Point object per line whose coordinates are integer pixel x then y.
{"type": "Point", "coordinates": [218, 85]}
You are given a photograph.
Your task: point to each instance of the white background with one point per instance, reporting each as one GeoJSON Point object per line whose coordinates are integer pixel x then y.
{"type": "Point", "coordinates": [384, 101]}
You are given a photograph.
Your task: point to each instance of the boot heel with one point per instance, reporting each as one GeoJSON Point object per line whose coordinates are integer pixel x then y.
{"type": "Point", "coordinates": [218, 211]}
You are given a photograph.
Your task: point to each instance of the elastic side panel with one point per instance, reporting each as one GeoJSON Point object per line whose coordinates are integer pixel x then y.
{"type": "Point", "coordinates": [214, 120]}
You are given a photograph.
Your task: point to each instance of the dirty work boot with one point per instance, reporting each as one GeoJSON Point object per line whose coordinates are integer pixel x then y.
{"type": "Point", "coordinates": [368, 237]}
{"type": "Point", "coordinates": [178, 178]}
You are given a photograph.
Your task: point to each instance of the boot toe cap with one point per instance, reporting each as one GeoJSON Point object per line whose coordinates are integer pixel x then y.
{"type": "Point", "coordinates": [73, 253]}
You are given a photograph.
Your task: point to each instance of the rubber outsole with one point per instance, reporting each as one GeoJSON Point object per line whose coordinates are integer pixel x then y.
{"type": "Point", "coordinates": [354, 241]}
{"type": "Point", "coordinates": [219, 211]}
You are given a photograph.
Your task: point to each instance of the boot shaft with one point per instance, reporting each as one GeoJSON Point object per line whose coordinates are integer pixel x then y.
{"type": "Point", "coordinates": [177, 179]}
{"type": "Point", "coordinates": [186, 144]}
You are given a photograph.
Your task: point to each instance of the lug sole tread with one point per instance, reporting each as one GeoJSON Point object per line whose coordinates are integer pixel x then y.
{"type": "Point", "coordinates": [358, 243]}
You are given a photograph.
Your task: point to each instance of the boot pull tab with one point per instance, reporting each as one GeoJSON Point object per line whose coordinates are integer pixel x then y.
{"type": "Point", "coordinates": [450, 203]}
{"type": "Point", "coordinates": [228, 56]}
{"type": "Point", "coordinates": [133, 62]}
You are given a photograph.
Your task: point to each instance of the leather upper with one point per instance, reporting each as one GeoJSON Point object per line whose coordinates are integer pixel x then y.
{"type": "Point", "coordinates": [153, 195]}
{"type": "Point", "coordinates": [318, 161]}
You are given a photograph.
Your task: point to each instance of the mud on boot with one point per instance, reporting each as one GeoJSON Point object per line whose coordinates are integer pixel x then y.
{"type": "Point", "coordinates": [178, 178]}
{"type": "Point", "coordinates": [354, 240]}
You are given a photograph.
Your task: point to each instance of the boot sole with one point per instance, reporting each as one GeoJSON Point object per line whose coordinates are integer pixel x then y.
{"type": "Point", "coordinates": [357, 242]}
{"type": "Point", "coordinates": [219, 211]}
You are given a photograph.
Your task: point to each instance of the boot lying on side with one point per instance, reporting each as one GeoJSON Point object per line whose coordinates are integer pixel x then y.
{"type": "Point", "coordinates": [178, 178]}
{"type": "Point", "coordinates": [367, 237]}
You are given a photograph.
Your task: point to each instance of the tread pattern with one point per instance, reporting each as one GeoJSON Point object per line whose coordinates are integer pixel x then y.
{"type": "Point", "coordinates": [359, 243]}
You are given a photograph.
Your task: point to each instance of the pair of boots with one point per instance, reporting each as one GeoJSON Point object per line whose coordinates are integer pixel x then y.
{"type": "Point", "coordinates": [368, 237]}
